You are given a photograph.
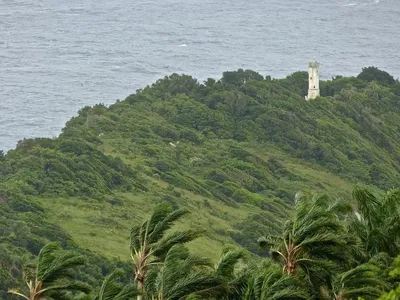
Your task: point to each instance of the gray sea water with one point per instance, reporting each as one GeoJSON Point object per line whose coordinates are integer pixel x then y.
{"type": "Point", "coordinates": [57, 56]}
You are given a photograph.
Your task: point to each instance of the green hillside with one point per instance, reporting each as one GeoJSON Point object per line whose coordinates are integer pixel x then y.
{"type": "Point", "coordinates": [234, 151]}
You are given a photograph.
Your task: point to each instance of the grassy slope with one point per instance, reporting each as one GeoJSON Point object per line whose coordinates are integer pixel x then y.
{"type": "Point", "coordinates": [104, 228]}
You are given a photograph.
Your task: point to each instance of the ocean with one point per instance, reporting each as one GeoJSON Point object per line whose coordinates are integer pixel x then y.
{"type": "Point", "coordinates": [58, 56]}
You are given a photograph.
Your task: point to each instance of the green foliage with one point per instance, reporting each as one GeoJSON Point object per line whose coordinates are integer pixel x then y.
{"type": "Point", "coordinates": [51, 275]}
{"type": "Point", "coordinates": [316, 258]}
{"type": "Point", "coordinates": [269, 282]}
{"type": "Point", "coordinates": [111, 289]}
{"type": "Point", "coordinates": [362, 281]}
{"type": "Point", "coordinates": [239, 77]}
{"type": "Point", "coordinates": [150, 243]}
{"type": "Point", "coordinates": [374, 74]}
{"type": "Point", "coordinates": [395, 293]}
{"type": "Point", "coordinates": [70, 167]}
{"type": "Point", "coordinates": [181, 275]}
{"type": "Point", "coordinates": [298, 82]}
{"type": "Point", "coordinates": [314, 241]}
{"type": "Point", "coordinates": [377, 223]}
{"type": "Point", "coordinates": [225, 267]}
{"type": "Point", "coordinates": [247, 145]}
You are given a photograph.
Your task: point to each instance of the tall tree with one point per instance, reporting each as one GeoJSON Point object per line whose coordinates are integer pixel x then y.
{"type": "Point", "coordinates": [314, 241]}
{"type": "Point", "coordinates": [150, 241]}
{"type": "Point", "coordinates": [51, 276]}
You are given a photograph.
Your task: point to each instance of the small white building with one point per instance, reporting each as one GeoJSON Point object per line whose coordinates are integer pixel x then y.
{"type": "Point", "coordinates": [313, 81]}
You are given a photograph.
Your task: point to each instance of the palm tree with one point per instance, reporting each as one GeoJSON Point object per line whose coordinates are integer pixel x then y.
{"type": "Point", "coordinates": [51, 276]}
{"type": "Point", "coordinates": [314, 243]}
{"type": "Point", "coordinates": [150, 243]}
{"type": "Point", "coordinates": [313, 239]}
{"type": "Point", "coordinates": [269, 282]}
{"type": "Point", "coordinates": [112, 290]}
{"type": "Point", "coordinates": [377, 221]}
{"type": "Point", "coordinates": [183, 275]}
{"type": "Point", "coordinates": [359, 282]}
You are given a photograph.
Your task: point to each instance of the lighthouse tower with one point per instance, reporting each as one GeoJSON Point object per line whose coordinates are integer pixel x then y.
{"type": "Point", "coordinates": [313, 80]}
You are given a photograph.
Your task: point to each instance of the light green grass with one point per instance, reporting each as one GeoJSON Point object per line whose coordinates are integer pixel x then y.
{"type": "Point", "coordinates": [104, 228]}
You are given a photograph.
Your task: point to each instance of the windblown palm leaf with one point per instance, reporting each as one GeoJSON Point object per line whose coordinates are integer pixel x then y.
{"type": "Point", "coordinates": [360, 282]}
{"type": "Point", "coordinates": [182, 275]}
{"type": "Point", "coordinates": [377, 222]}
{"type": "Point", "coordinates": [230, 257]}
{"type": "Point", "coordinates": [269, 282]}
{"type": "Point", "coordinates": [149, 242]}
{"type": "Point", "coordinates": [51, 275]}
{"type": "Point", "coordinates": [113, 290]}
{"type": "Point", "coordinates": [394, 294]}
{"type": "Point", "coordinates": [235, 277]}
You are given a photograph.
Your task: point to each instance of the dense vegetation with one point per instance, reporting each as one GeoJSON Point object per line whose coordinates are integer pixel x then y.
{"type": "Point", "coordinates": [326, 250]}
{"type": "Point", "coordinates": [234, 152]}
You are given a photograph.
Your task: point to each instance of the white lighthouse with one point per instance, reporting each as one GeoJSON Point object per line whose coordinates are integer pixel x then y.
{"type": "Point", "coordinates": [313, 80]}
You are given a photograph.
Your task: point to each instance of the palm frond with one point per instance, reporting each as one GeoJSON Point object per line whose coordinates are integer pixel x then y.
{"type": "Point", "coordinates": [367, 204]}
{"type": "Point", "coordinates": [60, 266]}
{"type": "Point", "coordinates": [361, 281]}
{"type": "Point", "coordinates": [366, 292]}
{"type": "Point", "coordinates": [322, 201]}
{"type": "Point", "coordinates": [113, 290]}
{"type": "Point", "coordinates": [63, 285]}
{"type": "Point", "coordinates": [391, 201]}
{"type": "Point", "coordinates": [158, 230]}
{"type": "Point", "coordinates": [322, 239]}
{"type": "Point", "coordinates": [110, 287]}
{"type": "Point", "coordinates": [182, 274]}
{"type": "Point", "coordinates": [270, 283]}
{"type": "Point", "coordinates": [226, 264]}
{"type": "Point", "coordinates": [135, 238]}
{"type": "Point", "coordinates": [177, 238]}
{"type": "Point", "coordinates": [45, 258]}
{"type": "Point", "coordinates": [158, 216]}
{"type": "Point", "coordinates": [341, 207]}
{"type": "Point", "coordinates": [266, 242]}
{"type": "Point", "coordinates": [52, 273]}
{"type": "Point", "coordinates": [29, 270]}
{"type": "Point", "coordinates": [17, 293]}
{"type": "Point", "coordinates": [201, 282]}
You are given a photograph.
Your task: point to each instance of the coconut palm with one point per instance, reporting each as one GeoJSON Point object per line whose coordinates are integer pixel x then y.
{"type": "Point", "coordinates": [52, 275]}
{"type": "Point", "coordinates": [377, 221]}
{"type": "Point", "coordinates": [183, 275]}
{"type": "Point", "coordinates": [314, 241]}
{"type": "Point", "coordinates": [111, 289]}
{"type": "Point", "coordinates": [150, 241]}
{"type": "Point", "coordinates": [359, 282]}
{"type": "Point", "coordinates": [269, 282]}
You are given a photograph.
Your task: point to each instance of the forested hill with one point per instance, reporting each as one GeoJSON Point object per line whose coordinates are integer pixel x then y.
{"type": "Point", "coordinates": [233, 151]}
